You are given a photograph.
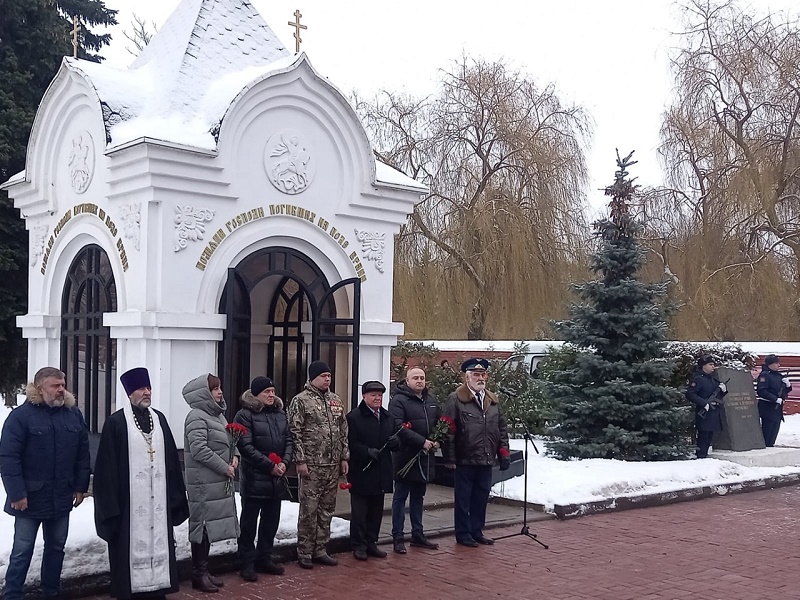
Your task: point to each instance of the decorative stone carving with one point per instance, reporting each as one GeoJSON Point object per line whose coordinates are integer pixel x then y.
{"type": "Point", "coordinates": [81, 162]}
{"type": "Point", "coordinates": [288, 162]}
{"type": "Point", "coordinates": [190, 224]}
{"type": "Point", "coordinates": [131, 215]}
{"type": "Point", "coordinates": [38, 238]}
{"type": "Point", "coordinates": [372, 245]}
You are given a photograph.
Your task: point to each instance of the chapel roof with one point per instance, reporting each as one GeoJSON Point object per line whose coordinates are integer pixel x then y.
{"type": "Point", "coordinates": [184, 80]}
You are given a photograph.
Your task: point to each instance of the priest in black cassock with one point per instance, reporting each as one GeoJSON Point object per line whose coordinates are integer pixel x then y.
{"type": "Point", "coordinates": [139, 495]}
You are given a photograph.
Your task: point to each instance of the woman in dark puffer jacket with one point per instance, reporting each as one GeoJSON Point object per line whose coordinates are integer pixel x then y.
{"type": "Point", "coordinates": [262, 483]}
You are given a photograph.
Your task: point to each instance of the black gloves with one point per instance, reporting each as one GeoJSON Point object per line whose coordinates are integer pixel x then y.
{"type": "Point", "coordinates": [393, 444]}
{"type": "Point", "coordinates": [374, 453]}
{"type": "Point", "coordinates": [505, 464]}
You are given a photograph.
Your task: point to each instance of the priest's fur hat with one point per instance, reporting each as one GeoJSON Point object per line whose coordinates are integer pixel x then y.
{"type": "Point", "coordinates": [135, 379]}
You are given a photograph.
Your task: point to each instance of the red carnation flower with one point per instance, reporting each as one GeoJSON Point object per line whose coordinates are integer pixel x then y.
{"type": "Point", "coordinates": [504, 453]}
{"type": "Point", "coordinates": [275, 458]}
{"type": "Point", "coordinates": [407, 425]}
{"type": "Point", "coordinates": [236, 428]}
{"type": "Point", "coordinates": [345, 486]}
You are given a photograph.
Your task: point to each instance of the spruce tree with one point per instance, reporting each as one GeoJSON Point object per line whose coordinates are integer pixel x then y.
{"type": "Point", "coordinates": [613, 402]}
{"type": "Point", "coordinates": [34, 38]}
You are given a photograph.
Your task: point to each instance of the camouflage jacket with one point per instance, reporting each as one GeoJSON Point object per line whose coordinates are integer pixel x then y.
{"type": "Point", "coordinates": [319, 427]}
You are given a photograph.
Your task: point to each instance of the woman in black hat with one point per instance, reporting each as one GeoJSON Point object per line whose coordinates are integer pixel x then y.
{"type": "Point", "coordinates": [705, 391]}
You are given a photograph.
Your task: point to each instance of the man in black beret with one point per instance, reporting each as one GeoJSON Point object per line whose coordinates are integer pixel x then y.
{"type": "Point", "coordinates": [371, 437]}
{"type": "Point", "coordinates": [480, 438]}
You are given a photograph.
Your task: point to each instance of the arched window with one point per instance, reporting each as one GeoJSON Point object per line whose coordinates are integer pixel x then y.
{"type": "Point", "coordinates": [88, 354]}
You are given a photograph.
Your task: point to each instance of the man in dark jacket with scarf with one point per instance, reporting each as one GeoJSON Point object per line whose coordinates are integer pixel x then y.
{"type": "Point", "coordinates": [772, 389]}
{"type": "Point", "coordinates": [413, 403]}
{"type": "Point", "coordinates": [44, 461]}
{"type": "Point", "coordinates": [706, 393]}
{"type": "Point", "coordinates": [480, 437]}
{"type": "Point", "coordinates": [267, 451]}
{"type": "Point", "coordinates": [371, 435]}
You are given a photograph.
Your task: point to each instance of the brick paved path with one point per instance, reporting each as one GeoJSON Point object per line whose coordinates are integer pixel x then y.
{"type": "Point", "coordinates": [741, 547]}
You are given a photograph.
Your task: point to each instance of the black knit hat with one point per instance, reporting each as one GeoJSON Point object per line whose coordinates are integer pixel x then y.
{"type": "Point", "coordinates": [259, 384]}
{"type": "Point", "coordinates": [317, 368]}
{"type": "Point", "coordinates": [771, 359]}
{"type": "Point", "coordinates": [705, 360]}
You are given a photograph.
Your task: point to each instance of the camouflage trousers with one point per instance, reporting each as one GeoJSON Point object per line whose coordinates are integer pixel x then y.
{"type": "Point", "coordinates": [317, 503]}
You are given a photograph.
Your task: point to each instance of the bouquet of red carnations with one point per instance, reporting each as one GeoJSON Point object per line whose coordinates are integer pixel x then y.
{"type": "Point", "coordinates": [444, 427]}
{"type": "Point", "coordinates": [235, 433]}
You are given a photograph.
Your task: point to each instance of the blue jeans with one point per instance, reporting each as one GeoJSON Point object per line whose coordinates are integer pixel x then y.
{"type": "Point", "coordinates": [402, 489]}
{"type": "Point", "coordinates": [55, 537]}
{"type": "Point", "coordinates": [471, 494]}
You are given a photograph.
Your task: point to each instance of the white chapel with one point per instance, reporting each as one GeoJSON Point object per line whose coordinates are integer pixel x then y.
{"type": "Point", "coordinates": [216, 207]}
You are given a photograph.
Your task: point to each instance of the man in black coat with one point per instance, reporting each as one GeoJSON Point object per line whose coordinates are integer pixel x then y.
{"type": "Point", "coordinates": [706, 393]}
{"type": "Point", "coordinates": [772, 388]}
{"type": "Point", "coordinates": [371, 432]}
{"type": "Point", "coordinates": [262, 480]}
{"type": "Point", "coordinates": [413, 403]}
{"type": "Point", "coordinates": [139, 495]}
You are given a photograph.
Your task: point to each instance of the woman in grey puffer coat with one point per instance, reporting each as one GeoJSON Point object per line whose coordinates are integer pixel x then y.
{"type": "Point", "coordinates": [209, 466]}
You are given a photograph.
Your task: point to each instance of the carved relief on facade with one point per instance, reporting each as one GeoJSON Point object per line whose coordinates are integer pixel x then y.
{"type": "Point", "coordinates": [288, 162]}
{"type": "Point", "coordinates": [131, 215]}
{"type": "Point", "coordinates": [372, 246]}
{"type": "Point", "coordinates": [81, 162]}
{"type": "Point", "coordinates": [190, 224]}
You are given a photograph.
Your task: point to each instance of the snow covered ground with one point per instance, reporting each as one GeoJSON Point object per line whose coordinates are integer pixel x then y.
{"type": "Point", "coordinates": [86, 553]}
{"type": "Point", "coordinates": [552, 481]}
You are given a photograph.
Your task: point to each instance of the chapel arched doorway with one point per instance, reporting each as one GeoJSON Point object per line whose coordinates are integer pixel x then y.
{"type": "Point", "coordinates": [88, 352]}
{"type": "Point", "coordinates": [282, 313]}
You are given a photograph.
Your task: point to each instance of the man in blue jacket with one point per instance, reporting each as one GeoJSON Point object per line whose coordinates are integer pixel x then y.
{"type": "Point", "coordinates": [44, 463]}
{"type": "Point", "coordinates": [772, 388]}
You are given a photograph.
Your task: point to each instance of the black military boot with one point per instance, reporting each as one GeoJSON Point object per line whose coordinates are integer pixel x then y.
{"type": "Point", "coordinates": [248, 572]}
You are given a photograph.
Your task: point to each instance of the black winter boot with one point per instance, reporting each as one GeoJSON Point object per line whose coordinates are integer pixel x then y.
{"type": "Point", "coordinates": [200, 580]}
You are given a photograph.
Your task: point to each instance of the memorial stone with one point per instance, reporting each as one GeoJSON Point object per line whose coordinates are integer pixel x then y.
{"type": "Point", "coordinates": [742, 428]}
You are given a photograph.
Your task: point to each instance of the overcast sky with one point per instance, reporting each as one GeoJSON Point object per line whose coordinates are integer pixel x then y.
{"type": "Point", "coordinates": [611, 57]}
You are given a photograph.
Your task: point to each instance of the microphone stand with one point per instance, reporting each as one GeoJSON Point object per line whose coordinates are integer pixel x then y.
{"type": "Point", "coordinates": [525, 531]}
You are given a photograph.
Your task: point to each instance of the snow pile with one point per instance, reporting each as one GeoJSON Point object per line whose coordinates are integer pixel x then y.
{"type": "Point", "coordinates": [552, 481]}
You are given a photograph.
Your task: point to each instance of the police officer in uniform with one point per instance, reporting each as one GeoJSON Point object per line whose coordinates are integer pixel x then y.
{"type": "Point", "coordinates": [706, 393]}
{"type": "Point", "coordinates": [772, 388]}
{"type": "Point", "coordinates": [319, 429]}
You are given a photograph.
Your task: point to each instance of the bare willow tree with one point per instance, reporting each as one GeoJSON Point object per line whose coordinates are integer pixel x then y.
{"type": "Point", "coordinates": [502, 228]}
{"type": "Point", "coordinates": [727, 229]}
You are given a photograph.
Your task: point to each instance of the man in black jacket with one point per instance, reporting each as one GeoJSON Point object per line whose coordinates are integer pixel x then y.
{"type": "Point", "coordinates": [480, 437]}
{"type": "Point", "coordinates": [413, 403]}
{"type": "Point", "coordinates": [370, 431]}
{"type": "Point", "coordinates": [706, 393]}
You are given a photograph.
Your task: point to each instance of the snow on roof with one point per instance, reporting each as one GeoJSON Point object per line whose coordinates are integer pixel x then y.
{"type": "Point", "coordinates": [180, 86]}
{"type": "Point", "coordinates": [386, 174]}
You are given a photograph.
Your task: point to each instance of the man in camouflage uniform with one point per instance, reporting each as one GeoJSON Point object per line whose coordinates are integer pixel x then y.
{"type": "Point", "coordinates": [319, 428]}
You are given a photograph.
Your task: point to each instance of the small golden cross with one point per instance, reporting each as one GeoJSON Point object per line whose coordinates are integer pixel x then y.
{"type": "Point", "coordinates": [151, 452]}
{"type": "Point", "coordinates": [76, 28]}
{"type": "Point", "coordinates": [297, 28]}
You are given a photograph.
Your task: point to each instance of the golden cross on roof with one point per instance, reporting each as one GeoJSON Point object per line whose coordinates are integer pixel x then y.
{"type": "Point", "coordinates": [76, 28]}
{"type": "Point", "coordinates": [297, 27]}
